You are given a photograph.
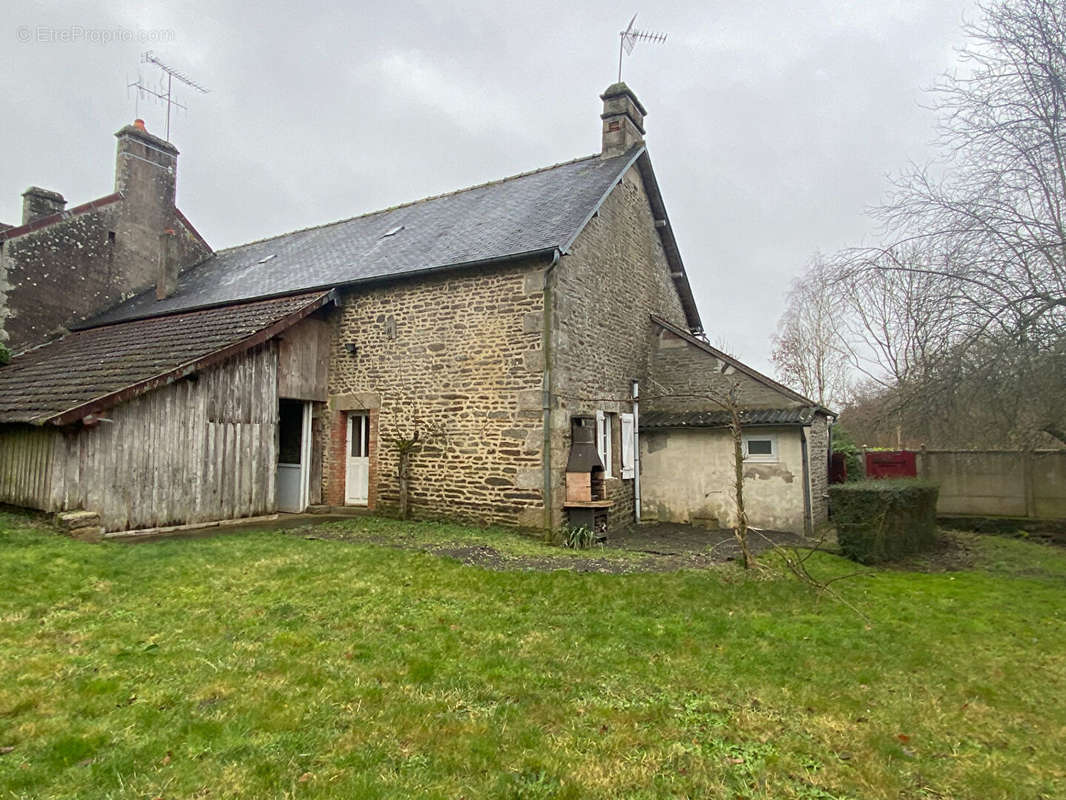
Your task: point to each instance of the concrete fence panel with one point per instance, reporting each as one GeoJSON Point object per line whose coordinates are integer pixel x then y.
{"type": "Point", "coordinates": [998, 483]}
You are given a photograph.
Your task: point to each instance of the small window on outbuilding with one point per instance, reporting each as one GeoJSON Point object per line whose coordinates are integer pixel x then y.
{"type": "Point", "coordinates": [760, 446]}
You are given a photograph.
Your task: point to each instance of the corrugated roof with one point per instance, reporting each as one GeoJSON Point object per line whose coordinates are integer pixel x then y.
{"type": "Point", "coordinates": [754, 417]}
{"type": "Point", "coordinates": [527, 214]}
{"type": "Point", "coordinates": [90, 370]}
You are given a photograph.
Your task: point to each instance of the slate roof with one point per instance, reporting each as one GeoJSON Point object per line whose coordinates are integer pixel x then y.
{"type": "Point", "coordinates": [91, 370]}
{"type": "Point", "coordinates": [526, 215]}
{"type": "Point", "coordinates": [757, 417]}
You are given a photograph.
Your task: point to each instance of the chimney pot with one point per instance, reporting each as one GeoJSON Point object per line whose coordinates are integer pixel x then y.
{"type": "Point", "coordinates": [139, 123]}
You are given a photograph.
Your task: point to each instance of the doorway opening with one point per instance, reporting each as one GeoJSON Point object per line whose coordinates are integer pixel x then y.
{"type": "Point", "coordinates": [294, 455]}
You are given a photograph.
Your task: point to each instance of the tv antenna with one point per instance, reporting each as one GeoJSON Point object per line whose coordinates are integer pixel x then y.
{"type": "Point", "coordinates": [629, 38]}
{"type": "Point", "coordinates": [167, 95]}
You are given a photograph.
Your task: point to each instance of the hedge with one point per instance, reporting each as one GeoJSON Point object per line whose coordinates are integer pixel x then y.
{"type": "Point", "coordinates": [882, 520]}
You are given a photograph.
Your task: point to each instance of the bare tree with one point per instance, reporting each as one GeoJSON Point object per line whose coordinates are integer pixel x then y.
{"type": "Point", "coordinates": [407, 441]}
{"type": "Point", "coordinates": [808, 349]}
{"type": "Point", "coordinates": [990, 215]}
{"type": "Point", "coordinates": [964, 314]}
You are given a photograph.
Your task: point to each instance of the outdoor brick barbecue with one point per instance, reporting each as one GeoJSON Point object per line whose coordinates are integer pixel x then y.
{"type": "Point", "coordinates": [586, 495]}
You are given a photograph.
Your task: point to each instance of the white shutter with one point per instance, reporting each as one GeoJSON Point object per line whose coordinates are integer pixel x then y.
{"type": "Point", "coordinates": [627, 446]}
{"type": "Point", "coordinates": [600, 421]}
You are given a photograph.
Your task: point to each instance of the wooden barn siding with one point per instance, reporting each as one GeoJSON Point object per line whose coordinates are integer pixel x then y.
{"type": "Point", "coordinates": [26, 455]}
{"type": "Point", "coordinates": [195, 451]}
{"type": "Point", "coordinates": [303, 361]}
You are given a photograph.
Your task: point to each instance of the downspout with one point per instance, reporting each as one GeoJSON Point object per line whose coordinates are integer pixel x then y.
{"type": "Point", "coordinates": [546, 391]}
{"type": "Point", "coordinates": [636, 451]}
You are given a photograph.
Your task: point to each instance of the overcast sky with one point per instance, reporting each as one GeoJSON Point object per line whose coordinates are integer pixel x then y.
{"type": "Point", "coordinates": [772, 124]}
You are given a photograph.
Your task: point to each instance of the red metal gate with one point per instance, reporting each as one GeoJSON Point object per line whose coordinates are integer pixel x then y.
{"type": "Point", "coordinates": [891, 464]}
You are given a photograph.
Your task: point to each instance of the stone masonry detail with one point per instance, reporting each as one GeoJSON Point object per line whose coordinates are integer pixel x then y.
{"type": "Point", "coordinates": [70, 266]}
{"type": "Point", "coordinates": [616, 276]}
{"type": "Point", "coordinates": [452, 351]}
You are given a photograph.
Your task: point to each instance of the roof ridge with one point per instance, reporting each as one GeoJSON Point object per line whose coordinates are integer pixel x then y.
{"type": "Point", "coordinates": [14, 231]}
{"type": "Point", "coordinates": [411, 203]}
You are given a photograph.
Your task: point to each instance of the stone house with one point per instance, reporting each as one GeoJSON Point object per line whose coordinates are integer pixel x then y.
{"type": "Point", "coordinates": [61, 266]}
{"type": "Point", "coordinates": [489, 324]}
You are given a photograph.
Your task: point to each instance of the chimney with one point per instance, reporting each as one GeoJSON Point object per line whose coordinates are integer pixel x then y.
{"type": "Point", "coordinates": [623, 120]}
{"type": "Point", "coordinates": [38, 202]}
{"type": "Point", "coordinates": [146, 174]}
{"type": "Point", "coordinates": [167, 281]}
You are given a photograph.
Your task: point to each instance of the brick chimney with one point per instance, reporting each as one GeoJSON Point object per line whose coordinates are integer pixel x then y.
{"type": "Point", "coordinates": [623, 120]}
{"type": "Point", "coordinates": [146, 174]}
{"type": "Point", "coordinates": [38, 202]}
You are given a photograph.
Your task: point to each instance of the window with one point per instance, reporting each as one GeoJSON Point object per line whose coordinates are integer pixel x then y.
{"type": "Point", "coordinates": [760, 447]}
{"type": "Point", "coordinates": [604, 437]}
{"type": "Point", "coordinates": [359, 440]}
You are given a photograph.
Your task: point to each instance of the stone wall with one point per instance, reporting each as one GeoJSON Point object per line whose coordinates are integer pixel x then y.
{"type": "Point", "coordinates": [685, 377]}
{"type": "Point", "coordinates": [456, 353]}
{"type": "Point", "coordinates": [76, 268]}
{"type": "Point", "coordinates": [67, 269]}
{"type": "Point", "coordinates": [605, 290]}
{"type": "Point", "coordinates": [818, 458]}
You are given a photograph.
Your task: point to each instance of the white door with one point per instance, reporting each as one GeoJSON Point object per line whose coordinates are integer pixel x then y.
{"type": "Point", "coordinates": [357, 472]}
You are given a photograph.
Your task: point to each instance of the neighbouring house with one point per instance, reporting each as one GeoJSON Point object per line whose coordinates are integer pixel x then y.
{"type": "Point", "coordinates": [61, 266]}
{"type": "Point", "coordinates": [535, 336]}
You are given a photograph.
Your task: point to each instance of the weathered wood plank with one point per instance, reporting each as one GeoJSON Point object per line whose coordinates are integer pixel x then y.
{"type": "Point", "coordinates": [197, 450]}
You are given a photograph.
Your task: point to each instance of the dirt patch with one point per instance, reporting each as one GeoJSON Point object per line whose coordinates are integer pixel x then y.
{"type": "Point", "coordinates": [954, 552]}
{"type": "Point", "coordinates": [656, 548]}
{"type": "Point", "coordinates": [666, 538]}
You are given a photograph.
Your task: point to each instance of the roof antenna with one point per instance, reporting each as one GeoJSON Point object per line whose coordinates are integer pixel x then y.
{"type": "Point", "coordinates": [167, 95]}
{"type": "Point", "coordinates": [629, 38]}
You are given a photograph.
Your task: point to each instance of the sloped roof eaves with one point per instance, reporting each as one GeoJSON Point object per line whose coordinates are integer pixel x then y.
{"type": "Point", "coordinates": [90, 371]}
{"type": "Point", "coordinates": [104, 319]}
{"type": "Point", "coordinates": [506, 220]}
{"type": "Point", "coordinates": [751, 418]}
{"type": "Point", "coordinates": [673, 253]}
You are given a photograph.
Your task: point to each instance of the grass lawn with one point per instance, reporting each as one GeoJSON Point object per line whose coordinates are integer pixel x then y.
{"type": "Point", "coordinates": [265, 664]}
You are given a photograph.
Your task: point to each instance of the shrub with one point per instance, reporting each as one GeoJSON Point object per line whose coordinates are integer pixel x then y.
{"type": "Point", "coordinates": [884, 520]}
{"type": "Point", "coordinates": [853, 460]}
{"type": "Point", "coordinates": [5, 354]}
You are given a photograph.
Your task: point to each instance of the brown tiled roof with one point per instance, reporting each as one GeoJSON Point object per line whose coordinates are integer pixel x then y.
{"type": "Point", "coordinates": [91, 370]}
